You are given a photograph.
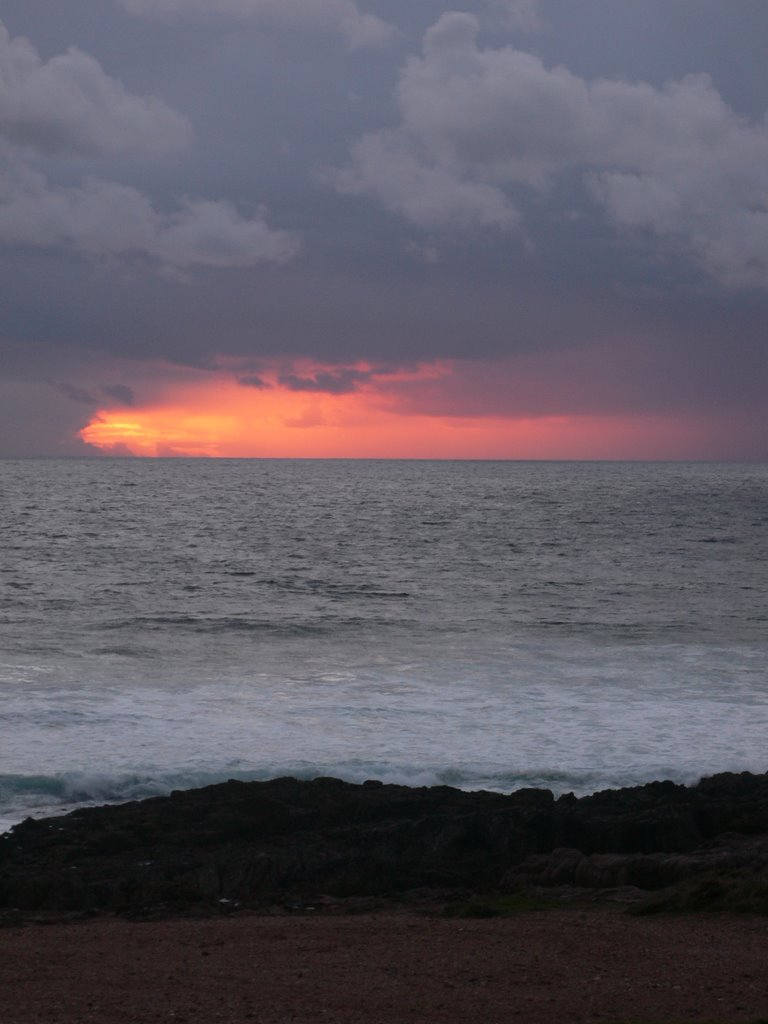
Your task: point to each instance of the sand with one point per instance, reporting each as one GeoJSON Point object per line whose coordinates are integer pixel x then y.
{"type": "Point", "coordinates": [564, 966]}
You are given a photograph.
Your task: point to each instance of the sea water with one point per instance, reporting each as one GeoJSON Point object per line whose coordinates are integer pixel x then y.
{"type": "Point", "coordinates": [487, 625]}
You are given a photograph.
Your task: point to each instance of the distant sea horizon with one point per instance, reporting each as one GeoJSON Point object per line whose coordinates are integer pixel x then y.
{"type": "Point", "coordinates": [105, 456]}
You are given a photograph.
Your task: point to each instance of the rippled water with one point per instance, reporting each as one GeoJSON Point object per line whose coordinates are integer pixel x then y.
{"type": "Point", "coordinates": [170, 622]}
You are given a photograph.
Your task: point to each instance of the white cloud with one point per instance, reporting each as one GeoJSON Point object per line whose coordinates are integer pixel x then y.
{"type": "Point", "coordinates": [101, 218]}
{"type": "Point", "coordinates": [342, 16]}
{"type": "Point", "coordinates": [676, 161]}
{"type": "Point", "coordinates": [69, 106]}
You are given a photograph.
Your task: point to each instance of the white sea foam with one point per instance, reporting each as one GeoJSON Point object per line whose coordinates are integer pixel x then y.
{"type": "Point", "coordinates": [562, 716]}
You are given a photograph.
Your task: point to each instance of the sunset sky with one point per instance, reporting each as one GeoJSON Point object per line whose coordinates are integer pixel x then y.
{"type": "Point", "coordinates": [384, 228]}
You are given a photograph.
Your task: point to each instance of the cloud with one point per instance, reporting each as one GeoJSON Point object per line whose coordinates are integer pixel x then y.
{"type": "Point", "coordinates": [483, 131]}
{"type": "Point", "coordinates": [427, 194]}
{"type": "Point", "coordinates": [37, 418]}
{"type": "Point", "coordinates": [120, 392]}
{"type": "Point", "coordinates": [68, 106]}
{"type": "Point", "coordinates": [75, 393]}
{"type": "Point", "coordinates": [100, 218]}
{"type": "Point", "coordinates": [212, 233]}
{"type": "Point", "coordinates": [341, 382]}
{"type": "Point", "coordinates": [344, 16]}
{"type": "Point", "coordinates": [251, 380]}
{"type": "Point", "coordinates": [522, 15]}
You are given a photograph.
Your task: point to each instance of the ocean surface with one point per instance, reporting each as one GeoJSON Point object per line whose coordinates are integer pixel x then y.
{"type": "Point", "coordinates": [489, 625]}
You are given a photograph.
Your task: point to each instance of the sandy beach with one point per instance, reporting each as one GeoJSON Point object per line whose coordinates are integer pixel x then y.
{"type": "Point", "coordinates": [533, 968]}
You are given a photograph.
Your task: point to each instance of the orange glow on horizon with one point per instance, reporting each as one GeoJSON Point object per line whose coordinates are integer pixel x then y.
{"type": "Point", "coordinates": [221, 419]}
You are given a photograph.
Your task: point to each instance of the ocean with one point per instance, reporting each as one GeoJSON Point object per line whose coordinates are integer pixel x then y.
{"type": "Point", "coordinates": [487, 625]}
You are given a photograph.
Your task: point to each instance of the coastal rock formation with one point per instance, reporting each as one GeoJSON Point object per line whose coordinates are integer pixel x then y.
{"type": "Point", "coordinates": [259, 843]}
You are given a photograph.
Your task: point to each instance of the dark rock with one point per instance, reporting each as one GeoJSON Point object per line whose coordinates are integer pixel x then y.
{"type": "Point", "coordinates": [263, 843]}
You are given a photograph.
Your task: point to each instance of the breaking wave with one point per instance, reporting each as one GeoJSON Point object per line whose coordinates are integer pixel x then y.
{"type": "Point", "coordinates": [23, 796]}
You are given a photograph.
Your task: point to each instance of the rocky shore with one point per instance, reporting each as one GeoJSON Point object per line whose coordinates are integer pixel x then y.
{"type": "Point", "coordinates": [295, 843]}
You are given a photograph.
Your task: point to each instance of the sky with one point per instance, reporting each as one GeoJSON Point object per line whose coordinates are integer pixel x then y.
{"type": "Point", "coordinates": [384, 228]}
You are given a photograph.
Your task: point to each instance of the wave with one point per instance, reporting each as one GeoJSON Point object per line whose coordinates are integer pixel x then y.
{"type": "Point", "coordinates": [320, 626]}
{"type": "Point", "coordinates": [36, 796]}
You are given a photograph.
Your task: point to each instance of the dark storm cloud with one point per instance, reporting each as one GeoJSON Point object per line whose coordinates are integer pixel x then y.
{"type": "Point", "coordinates": [120, 392]}
{"type": "Point", "coordinates": [244, 183]}
{"type": "Point", "coordinates": [75, 394]}
{"type": "Point", "coordinates": [251, 380]}
{"type": "Point", "coordinates": [343, 382]}
{"type": "Point", "coordinates": [37, 420]}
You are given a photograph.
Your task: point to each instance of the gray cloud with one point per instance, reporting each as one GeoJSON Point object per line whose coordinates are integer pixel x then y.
{"type": "Point", "coordinates": [37, 419]}
{"type": "Point", "coordinates": [101, 218]}
{"type": "Point", "coordinates": [344, 16]}
{"type": "Point", "coordinates": [426, 193]}
{"type": "Point", "coordinates": [75, 393]}
{"type": "Point", "coordinates": [69, 106]}
{"type": "Point", "coordinates": [516, 220]}
{"type": "Point", "coordinates": [341, 382]}
{"type": "Point", "coordinates": [251, 380]}
{"type": "Point", "coordinates": [478, 125]}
